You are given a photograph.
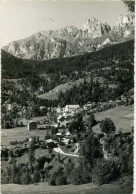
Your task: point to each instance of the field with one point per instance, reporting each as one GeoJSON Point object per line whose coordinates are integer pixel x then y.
{"type": "Point", "coordinates": [44, 188]}
{"type": "Point", "coordinates": [53, 94]}
{"type": "Point", "coordinates": [19, 133]}
{"type": "Point", "coordinates": [122, 117]}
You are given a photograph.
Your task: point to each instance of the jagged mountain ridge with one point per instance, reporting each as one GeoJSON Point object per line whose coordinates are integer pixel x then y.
{"type": "Point", "coordinates": [71, 41]}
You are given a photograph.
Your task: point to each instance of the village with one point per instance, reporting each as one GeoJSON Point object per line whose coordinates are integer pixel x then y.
{"type": "Point", "coordinates": [58, 132]}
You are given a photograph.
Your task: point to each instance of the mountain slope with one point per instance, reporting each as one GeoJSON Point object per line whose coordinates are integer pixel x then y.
{"type": "Point", "coordinates": [13, 67]}
{"type": "Point", "coordinates": [66, 42]}
{"type": "Point", "coordinates": [71, 41]}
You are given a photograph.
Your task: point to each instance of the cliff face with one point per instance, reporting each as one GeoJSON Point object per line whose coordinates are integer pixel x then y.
{"type": "Point", "coordinates": [71, 41]}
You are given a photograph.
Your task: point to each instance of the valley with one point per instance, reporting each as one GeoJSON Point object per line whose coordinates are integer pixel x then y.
{"type": "Point", "coordinates": [67, 109]}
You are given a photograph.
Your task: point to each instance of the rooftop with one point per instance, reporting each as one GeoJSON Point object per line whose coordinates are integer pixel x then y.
{"type": "Point", "coordinates": [49, 141]}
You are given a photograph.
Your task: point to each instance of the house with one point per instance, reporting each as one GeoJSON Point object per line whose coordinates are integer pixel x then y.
{"type": "Point", "coordinates": [59, 110]}
{"type": "Point", "coordinates": [9, 106]}
{"type": "Point", "coordinates": [123, 98]}
{"type": "Point", "coordinates": [59, 117]}
{"type": "Point", "coordinates": [66, 114]}
{"type": "Point", "coordinates": [42, 107]}
{"type": "Point", "coordinates": [54, 125]}
{"type": "Point", "coordinates": [69, 119]}
{"type": "Point", "coordinates": [62, 122]}
{"type": "Point", "coordinates": [72, 108]}
{"type": "Point", "coordinates": [31, 125]}
{"type": "Point", "coordinates": [30, 139]}
{"type": "Point", "coordinates": [66, 141]}
{"type": "Point", "coordinates": [118, 102]}
{"type": "Point", "coordinates": [50, 143]}
{"type": "Point", "coordinates": [68, 133]}
{"type": "Point", "coordinates": [87, 106]}
{"type": "Point", "coordinates": [59, 134]}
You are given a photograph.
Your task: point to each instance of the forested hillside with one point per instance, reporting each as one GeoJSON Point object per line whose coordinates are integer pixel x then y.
{"type": "Point", "coordinates": [13, 67]}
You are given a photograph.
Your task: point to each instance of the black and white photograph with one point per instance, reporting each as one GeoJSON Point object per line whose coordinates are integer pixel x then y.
{"type": "Point", "coordinates": [67, 97]}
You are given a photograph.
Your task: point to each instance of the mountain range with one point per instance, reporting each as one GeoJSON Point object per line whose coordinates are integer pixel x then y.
{"type": "Point", "coordinates": [71, 41]}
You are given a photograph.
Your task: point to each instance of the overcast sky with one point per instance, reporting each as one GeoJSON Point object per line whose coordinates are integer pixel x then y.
{"type": "Point", "coordinates": [22, 19]}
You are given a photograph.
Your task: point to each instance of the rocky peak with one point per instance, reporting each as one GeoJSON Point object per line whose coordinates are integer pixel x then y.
{"type": "Point", "coordinates": [94, 28]}
{"type": "Point", "coordinates": [124, 21]}
{"type": "Point", "coordinates": [125, 25]}
{"type": "Point", "coordinates": [71, 41]}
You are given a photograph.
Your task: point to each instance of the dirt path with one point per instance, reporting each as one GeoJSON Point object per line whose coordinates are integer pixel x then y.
{"type": "Point", "coordinates": [59, 150]}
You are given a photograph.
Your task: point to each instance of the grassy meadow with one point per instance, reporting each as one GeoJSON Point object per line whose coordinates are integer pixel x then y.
{"type": "Point", "coordinates": [44, 188]}
{"type": "Point", "coordinates": [122, 117]}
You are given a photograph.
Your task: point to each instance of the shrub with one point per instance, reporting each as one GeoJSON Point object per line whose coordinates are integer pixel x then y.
{"type": "Point", "coordinates": [4, 153]}
{"type": "Point", "coordinates": [57, 173]}
{"type": "Point", "coordinates": [26, 140]}
{"type": "Point", "coordinates": [25, 178]}
{"type": "Point", "coordinates": [105, 171]}
{"type": "Point", "coordinates": [61, 180]}
{"type": "Point", "coordinates": [76, 177]}
{"type": "Point", "coordinates": [41, 161]}
{"type": "Point", "coordinates": [107, 126]}
{"type": "Point", "coordinates": [127, 182]}
{"type": "Point", "coordinates": [12, 143]}
{"type": "Point", "coordinates": [74, 140]}
{"type": "Point", "coordinates": [68, 146]}
{"type": "Point", "coordinates": [36, 177]}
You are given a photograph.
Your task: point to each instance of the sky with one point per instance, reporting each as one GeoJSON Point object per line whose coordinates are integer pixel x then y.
{"type": "Point", "coordinates": [24, 18]}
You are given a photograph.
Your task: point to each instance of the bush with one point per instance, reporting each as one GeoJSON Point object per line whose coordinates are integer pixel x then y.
{"type": "Point", "coordinates": [12, 143]}
{"type": "Point", "coordinates": [105, 171]}
{"type": "Point", "coordinates": [4, 153]}
{"type": "Point", "coordinates": [18, 152]}
{"type": "Point", "coordinates": [26, 140]}
{"type": "Point", "coordinates": [36, 177]}
{"type": "Point", "coordinates": [25, 178]}
{"type": "Point", "coordinates": [127, 182]}
{"type": "Point", "coordinates": [68, 146]}
{"type": "Point", "coordinates": [55, 178]}
{"type": "Point", "coordinates": [61, 180]}
{"type": "Point", "coordinates": [41, 161]}
{"type": "Point", "coordinates": [76, 177]}
{"type": "Point", "coordinates": [107, 126]}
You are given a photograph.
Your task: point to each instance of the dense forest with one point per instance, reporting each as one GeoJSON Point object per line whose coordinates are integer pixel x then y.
{"type": "Point", "coordinates": [13, 67]}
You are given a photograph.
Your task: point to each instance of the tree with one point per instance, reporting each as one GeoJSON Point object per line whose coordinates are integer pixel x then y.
{"type": "Point", "coordinates": [76, 177]}
{"type": "Point", "coordinates": [107, 126]}
{"type": "Point", "coordinates": [37, 176]}
{"type": "Point", "coordinates": [130, 4]}
{"type": "Point", "coordinates": [31, 154]}
{"type": "Point", "coordinates": [25, 178]}
{"type": "Point", "coordinates": [92, 120]}
{"type": "Point", "coordinates": [56, 173]}
{"type": "Point", "coordinates": [61, 180]}
{"type": "Point", "coordinates": [71, 127]}
{"type": "Point", "coordinates": [105, 171]}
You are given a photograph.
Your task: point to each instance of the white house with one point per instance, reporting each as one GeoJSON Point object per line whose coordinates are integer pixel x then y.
{"type": "Point", "coordinates": [68, 133]}
{"type": "Point", "coordinates": [59, 134]}
{"type": "Point", "coordinates": [87, 106]}
{"type": "Point", "coordinates": [66, 141]}
{"type": "Point", "coordinates": [72, 108]}
{"type": "Point", "coordinates": [59, 110]}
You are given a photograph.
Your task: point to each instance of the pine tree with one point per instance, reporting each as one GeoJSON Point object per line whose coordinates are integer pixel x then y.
{"type": "Point", "coordinates": [31, 154]}
{"type": "Point", "coordinates": [37, 176]}
{"type": "Point", "coordinates": [25, 178]}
